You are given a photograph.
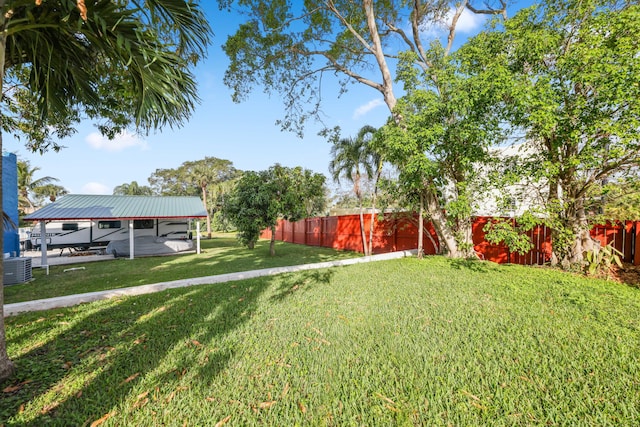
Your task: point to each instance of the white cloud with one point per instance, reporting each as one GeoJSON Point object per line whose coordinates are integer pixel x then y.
{"type": "Point", "coordinates": [96, 188]}
{"type": "Point", "coordinates": [121, 142]}
{"type": "Point", "coordinates": [469, 23]}
{"type": "Point", "coordinates": [364, 109]}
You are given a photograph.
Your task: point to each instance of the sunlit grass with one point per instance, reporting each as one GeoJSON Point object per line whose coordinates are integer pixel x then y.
{"type": "Point", "coordinates": [220, 255]}
{"type": "Point", "coordinates": [404, 342]}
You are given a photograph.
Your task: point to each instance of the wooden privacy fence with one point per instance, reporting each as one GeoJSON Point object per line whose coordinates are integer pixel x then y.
{"type": "Point", "coordinates": [401, 233]}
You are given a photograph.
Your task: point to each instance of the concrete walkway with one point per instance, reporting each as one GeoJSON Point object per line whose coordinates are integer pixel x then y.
{"type": "Point", "coordinates": [58, 257]}
{"type": "Point", "coordinates": [71, 300]}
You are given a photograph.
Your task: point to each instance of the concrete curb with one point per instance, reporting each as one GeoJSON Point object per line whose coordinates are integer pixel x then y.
{"type": "Point", "coordinates": [71, 300]}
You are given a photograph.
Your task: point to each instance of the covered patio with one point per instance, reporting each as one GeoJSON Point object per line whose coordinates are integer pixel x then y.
{"type": "Point", "coordinates": [75, 207]}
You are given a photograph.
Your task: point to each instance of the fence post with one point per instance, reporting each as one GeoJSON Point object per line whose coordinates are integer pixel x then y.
{"type": "Point", "coordinates": [636, 252]}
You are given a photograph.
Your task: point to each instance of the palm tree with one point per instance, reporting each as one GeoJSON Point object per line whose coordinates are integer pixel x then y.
{"type": "Point", "coordinates": [28, 186]}
{"type": "Point", "coordinates": [200, 175]}
{"type": "Point", "coordinates": [49, 191]}
{"type": "Point", "coordinates": [125, 62]}
{"type": "Point", "coordinates": [133, 189]}
{"type": "Point", "coordinates": [353, 159]}
{"type": "Point", "coordinates": [218, 194]}
{"type": "Point", "coordinates": [207, 174]}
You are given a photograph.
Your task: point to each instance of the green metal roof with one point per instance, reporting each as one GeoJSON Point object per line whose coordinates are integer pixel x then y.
{"type": "Point", "coordinates": [79, 206]}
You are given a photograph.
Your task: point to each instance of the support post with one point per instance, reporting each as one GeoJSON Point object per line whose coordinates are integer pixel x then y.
{"type": "Point", "coordinates": [131, 245]}
{"type": "Point", "coordinates": [44, 261]}
{"type": "Point", "coordinates": [198, 237]}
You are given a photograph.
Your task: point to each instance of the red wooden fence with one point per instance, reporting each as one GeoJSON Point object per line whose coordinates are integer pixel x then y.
{"type": "Point", "coordinates": [396, 234]}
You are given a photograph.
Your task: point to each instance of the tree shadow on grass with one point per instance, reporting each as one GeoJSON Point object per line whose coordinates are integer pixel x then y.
{"type": "Point", "coordinates": [300, 282]}
{"type": "Point", "coordinates": [474, 265]}
{"type": "Point", "coordinates": [122, 350]}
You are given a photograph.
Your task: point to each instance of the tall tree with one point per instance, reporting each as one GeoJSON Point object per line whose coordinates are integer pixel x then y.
{"type": "Point", "coordinates": [127, 63]}
{"type": "Point", "coordinates": [132, 189]}
{"type": "Point", "coordinates": [195, 177]}
{"type": "Point", "coordinates": [172, 182]}
{"type": "Point", "coordinates": [449, 122]}
{"type": "Point", "coordinates": [30, 187]}
{"type": "Point", "coordinates": [573, 75]}
{"type": "Point", "coordinates": [218, 194]}
{"type": "Point", "coordinates": [49, 192]}
{"type": "Point", "coordinates": [289, 47]}
{"type": "Point", "coordinates": [261, 198]}
{"type": "Point", "coordinates": [355, 159]}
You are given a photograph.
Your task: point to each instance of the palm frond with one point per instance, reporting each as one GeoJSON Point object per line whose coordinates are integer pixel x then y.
{"type": "Point", "coordinates": [128, 61]}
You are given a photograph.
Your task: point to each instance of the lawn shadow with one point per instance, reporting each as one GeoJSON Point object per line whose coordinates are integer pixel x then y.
{"type": "Point", "coordinates": [103, 360]}
{"type": "Point", "coordinates": [220, 256]}
{"type": "Point", "coordinates": [301, 282]}
{"type": "Point", "coordinates": [474, 265]}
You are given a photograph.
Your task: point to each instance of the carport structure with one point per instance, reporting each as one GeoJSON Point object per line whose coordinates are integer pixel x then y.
{"type": "Point", "coordinates": [78, 207]}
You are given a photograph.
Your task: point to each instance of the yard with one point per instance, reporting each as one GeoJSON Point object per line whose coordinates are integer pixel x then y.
{"type": "Point", "coordinates": [220, 255]}
{"type": "Point", "coordinates": [403, 342]}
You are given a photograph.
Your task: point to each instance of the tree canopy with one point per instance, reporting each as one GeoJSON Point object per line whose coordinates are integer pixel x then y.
{"type": "Point", "coordinates": [133, 189]}
{"type": "Point", "coordinates": [355, 159]}
{"type": "Point", "coordinates": [573, 90]}
{"type": "Point", "coordinates": [259, 199]}
{"type": "Point", "coordinates": [290, 47]}
{"type": "Point", "coordinates": [32, 190]}
{"type": "Point", "coordinates": [207, 178]}
{"type": "Point", "coordinates": [126, 63]}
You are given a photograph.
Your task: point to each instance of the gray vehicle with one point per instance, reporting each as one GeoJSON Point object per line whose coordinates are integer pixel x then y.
{"type": "Point", "coordinates": [84, 234]}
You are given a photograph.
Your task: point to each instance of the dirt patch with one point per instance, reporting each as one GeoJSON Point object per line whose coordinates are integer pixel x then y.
{"type": "Point", "coordinates": [629, 274]}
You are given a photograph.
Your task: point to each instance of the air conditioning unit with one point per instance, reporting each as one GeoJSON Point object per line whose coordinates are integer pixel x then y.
{"type": "Point", "coordinates": [16, 270]}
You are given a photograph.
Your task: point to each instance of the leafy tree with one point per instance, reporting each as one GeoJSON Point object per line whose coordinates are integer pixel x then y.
{"type": "Point", "coordinates": [619, 200]}
{"type": "Point", "coordinates": [401, 195]}
{"type": "Point", "coordinates": [196, 178]}
{"type": "Point", "coordinates": [132, 189]}
{"type": "Point", "coordinates": [30, 188]}
{"type": "Point", "coordinates": [259, 199]}
{"type": "Point", "coordinates": [172, 182]}
{"type": "Point", "coordinates": [289, 50]}
{"type": "Point", "coordinates": [355, 159]}
{"type": "Point", "coordinates": [449, 121]}
{"type": "Point", "coordinates": [573, 75]}
{"type": "Point", "coordinates": [248, 207]}
{"type": "Point", "coordinates": [218, 193]}
{"type": "Point", "coordinates": [50, 192]}
{"type": "Point", "coordinates": [126, 63]}
{"type": "Point", "coordinates": [289, 47]}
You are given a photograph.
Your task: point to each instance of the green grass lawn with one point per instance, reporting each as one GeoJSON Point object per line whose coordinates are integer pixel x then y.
{"type": "Point", "coordinates": [404, 342]}
{"type": "Point", "coordinates": [222, 254]}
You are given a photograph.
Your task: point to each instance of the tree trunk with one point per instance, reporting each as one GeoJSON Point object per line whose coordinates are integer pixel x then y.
{"type": "Point", "coordinates": [6, 365]}
{"type": "Point", "coordinates": [466, 233]}
{"type": "Point", "coordinates": [444, 231]}
{"type": "Point", "coordinates": [363, 235]}
{"type": "Point", "coordinates": [371, 227]}
{"type": "Point", "coordinates": [435, 244]}
{"type": "Point", "coordinates": [272, 243]}
{"type": "Point", "coordinates": [206, 208]}
{"type": "Point", "coordinates": [573, 219]}
{"type": "Point", "coordinates": [582, 242]}
{"type": "Point", "coordinates": [386, 88]}
{"type": "Point", "coordinates": [374, 196]}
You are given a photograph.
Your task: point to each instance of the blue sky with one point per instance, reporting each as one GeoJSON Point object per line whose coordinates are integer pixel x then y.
{"type": "Point", "coordinates": [245, 133]}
